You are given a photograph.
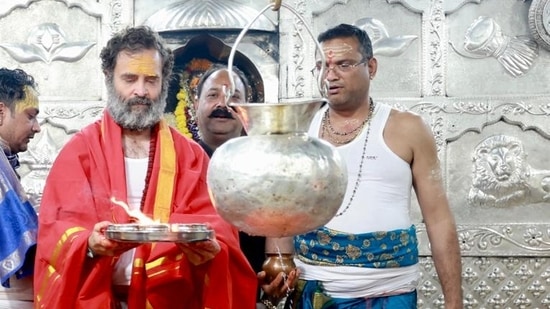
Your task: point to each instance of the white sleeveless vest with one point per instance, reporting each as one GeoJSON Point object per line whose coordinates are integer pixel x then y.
{"type": "Point", "coordinates": [382, 202]}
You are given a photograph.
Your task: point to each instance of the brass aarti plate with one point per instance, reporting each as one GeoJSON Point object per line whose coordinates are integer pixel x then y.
{"type": "Point", "coordinates": [170, 232]}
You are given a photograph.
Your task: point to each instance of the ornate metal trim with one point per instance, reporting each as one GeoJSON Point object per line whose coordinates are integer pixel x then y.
{"type": "Point", "coordinates": [207, 14]}
{"type": "Point", "coordinates": [419, 6]}
{"type": "Point", "coordinates": [539, 22]}
{"type": "Point", "coordinates": [90, 7]}
{"type": "Point", "coordinates": [434, 53]}
{"type": "Point", "coordinates": [70, 116]}
{"type": "Point", "coordinates": [47, 42]}
{"type": "Point", "coordinates": [496, 240]}
{"type": "Point", "coordinates": [320, 6]}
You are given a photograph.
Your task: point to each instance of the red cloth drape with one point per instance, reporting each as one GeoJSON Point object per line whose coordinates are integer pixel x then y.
{"type": "Point", "coordinates": [87, 173]}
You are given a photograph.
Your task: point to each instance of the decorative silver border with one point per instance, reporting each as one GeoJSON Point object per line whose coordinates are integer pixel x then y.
{"type": "Point", "coordinates": [539, 15]}
{"type": "Point", "coordinates": [496, 240]}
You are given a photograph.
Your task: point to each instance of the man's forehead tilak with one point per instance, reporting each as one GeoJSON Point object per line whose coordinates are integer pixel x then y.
{"type": "Point", "coordinates": [219, 82]}
{"type": "Point", "coordinates": [143, 64]}
{"type": "Point", "coordinates": [30, 100]}
{"type": "Point", "coordinates": [337, 51]}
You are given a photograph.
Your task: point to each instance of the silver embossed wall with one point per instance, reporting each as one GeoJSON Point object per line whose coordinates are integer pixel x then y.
{"type": "Point", "coordinates": [476, 70]}
{"type": "Point", "coordinates": [58, 42]}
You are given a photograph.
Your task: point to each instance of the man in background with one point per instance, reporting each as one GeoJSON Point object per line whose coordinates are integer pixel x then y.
{"type": "Point", "coordinates": [18, 220]}
{"type": "Point", "coordinates": [217, 124]}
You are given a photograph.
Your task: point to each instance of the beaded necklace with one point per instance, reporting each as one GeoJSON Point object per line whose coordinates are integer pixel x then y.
{"type": "Point", "coordinates": [363, 155]}
{"type": "Point", "coordinates": [329, 133]}
{"type": "Point", "coordinates": [334, 132]}
{"type": "Point", "coordinates": [152, 150]}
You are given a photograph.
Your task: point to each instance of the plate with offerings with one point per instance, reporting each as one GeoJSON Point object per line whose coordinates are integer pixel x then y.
{"type": "Point", "coordinates": [159, 232]}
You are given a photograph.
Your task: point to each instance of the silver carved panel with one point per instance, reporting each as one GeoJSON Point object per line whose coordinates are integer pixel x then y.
{"type": "Point", "coordinates": [207, 14]}
{"type": "Point", "coordinates": [55, 41]}
{"type": "Point", "coordinates": [539, 22]}
{"type": "Point", "coordinates": [492, 283]}
{"type": "Point", "coordinates": [47, 42]}
{"type": "Point", "coordinates": [495, 53]}
{"type": "Point", "coordinates": [58, 43]}
{"type": "Point", "coordinates": [395, 40]}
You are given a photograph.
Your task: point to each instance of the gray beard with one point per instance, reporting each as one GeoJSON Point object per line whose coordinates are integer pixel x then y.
{"type": "Point", "coordinates": [121, 110]}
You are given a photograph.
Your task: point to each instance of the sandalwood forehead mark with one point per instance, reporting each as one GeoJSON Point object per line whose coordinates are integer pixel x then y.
{"type": "Point", "coordinates": [335, 51]}
{"type": "Point", "coordinates": [29, 101]}
{"type": "Point", "coordinates": [143, 64]}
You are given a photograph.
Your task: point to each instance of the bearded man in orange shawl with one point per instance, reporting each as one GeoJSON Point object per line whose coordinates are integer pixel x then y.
{"type": "Point", "coordinates": [131, 155]}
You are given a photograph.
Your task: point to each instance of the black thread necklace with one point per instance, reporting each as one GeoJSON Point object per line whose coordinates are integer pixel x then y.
{"type": "Point", "coordinates": [363, 155]}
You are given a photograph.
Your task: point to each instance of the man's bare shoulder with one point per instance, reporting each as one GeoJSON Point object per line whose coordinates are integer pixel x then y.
{"type": "Point", "coordinates": [407, 134]}
{"type": "Point", "coordinates": [406, 123]}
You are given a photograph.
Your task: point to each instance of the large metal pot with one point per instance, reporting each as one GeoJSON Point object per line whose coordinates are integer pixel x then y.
{"type": "Point", "coordinates": [277, 181]}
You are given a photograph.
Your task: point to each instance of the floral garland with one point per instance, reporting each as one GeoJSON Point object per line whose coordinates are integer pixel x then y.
{"type": "Point", "coordinates": [184, 111]}
{"type": "Point", "coordinates": [185, 120]}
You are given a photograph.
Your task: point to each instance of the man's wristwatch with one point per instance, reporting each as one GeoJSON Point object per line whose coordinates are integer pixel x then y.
{"type": "Point", "coordinates": [89, 253]}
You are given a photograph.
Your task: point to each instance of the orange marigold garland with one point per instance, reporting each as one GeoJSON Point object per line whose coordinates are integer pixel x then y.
{"type": "Point", "coordinates": [182, 120]}
{"type": "Point", "coordinates": [184, 111]}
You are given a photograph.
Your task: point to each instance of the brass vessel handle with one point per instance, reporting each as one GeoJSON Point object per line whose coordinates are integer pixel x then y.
{"type": "Point", "coordinates": [274, 5]}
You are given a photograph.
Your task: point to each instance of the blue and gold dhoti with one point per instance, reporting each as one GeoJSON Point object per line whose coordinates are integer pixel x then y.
{"type": "Point", "coordinates": [326, 247]}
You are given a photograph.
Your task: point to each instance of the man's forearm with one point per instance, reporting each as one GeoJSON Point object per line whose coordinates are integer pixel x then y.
{"type": "Point", "coordinates": [447, 259]}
